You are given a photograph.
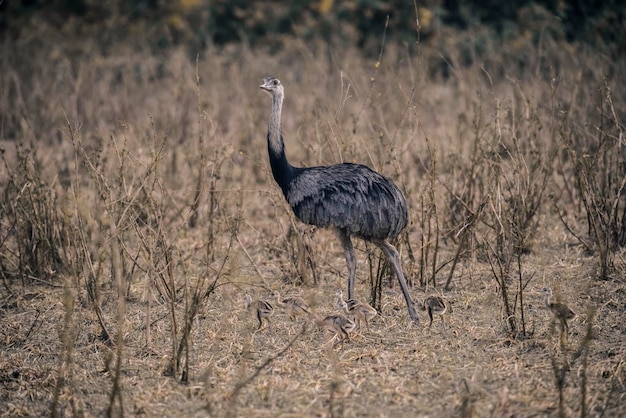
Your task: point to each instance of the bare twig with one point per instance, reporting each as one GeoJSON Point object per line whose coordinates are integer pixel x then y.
{"type": "Point", "coordinates": [243, 383]}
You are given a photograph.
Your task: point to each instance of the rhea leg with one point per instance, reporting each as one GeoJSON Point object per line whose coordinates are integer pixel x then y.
{"type": "Point", "coordinates": [564, 329]}
{"type": "Point", "coordinates": [258, 316]}
{"type": "Point", "coordinates": [348, 250]}
{"type": "Point", "coordinates": [394, 258]}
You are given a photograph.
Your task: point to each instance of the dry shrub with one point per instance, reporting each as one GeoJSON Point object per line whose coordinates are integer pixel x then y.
{"type": "Point", "coordinates": [38, 241]}
{"type": "Point", "coordinates": [599, 179]}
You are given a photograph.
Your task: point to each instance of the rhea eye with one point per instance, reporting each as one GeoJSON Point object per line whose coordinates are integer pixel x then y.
{"type": "Point", "coordinates": [275, 82]}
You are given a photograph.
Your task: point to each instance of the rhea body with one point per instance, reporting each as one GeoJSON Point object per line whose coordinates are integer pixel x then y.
{"type": "Point", "coordinates": [561, 311]}
{"type": "Point", "coordinates": [435, 305]}
{"type": "Point", "coordinates": [360, 311]}
{"type": "Point", "coordinates": [340, 325]}
{"type": "Point", "coordinates": [352, 199]}
{"type": "Point", "coordinates": [294, 306]}
{"type": "Point", "coordinates": [260, 309]}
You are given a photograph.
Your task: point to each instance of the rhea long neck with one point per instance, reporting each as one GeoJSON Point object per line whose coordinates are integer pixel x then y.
{"type": "Point", "coordinates": [546, 300]}
{"type": "Point", "coordinates": [281, 169]}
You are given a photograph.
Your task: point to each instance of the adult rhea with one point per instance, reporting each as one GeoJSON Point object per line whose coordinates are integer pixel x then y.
{"type": "Point", "coordinates": [352, 199]}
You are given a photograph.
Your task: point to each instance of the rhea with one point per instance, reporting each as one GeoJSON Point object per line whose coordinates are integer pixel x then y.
{"type": "Point", "coordinates": [352, 199]}
{"type": "Point", "coordinates": [294, 306]}
{"type": "Point", "coordinates": [338, 324]}
{"type": "Point", "coordinates": [360, 311]}
{"type": "Point", "coordinates": [561, 311]}
{"type": "Point", "coordinates": [435, 305]}
{"type": "Point", "coordinates": [261, 310]}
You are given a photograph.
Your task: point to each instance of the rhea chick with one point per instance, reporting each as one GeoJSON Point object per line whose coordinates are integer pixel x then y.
{"type": "Point", "coordinates": [561, 311]}
{"type": "Point", "coordinates": [261, 310]}
{"type": "Point", "coordinates": [360, 311]}
{"type": "Point", "coordinates": [294, 306]}
{"type": "Point", "coordinates": [435, 305]}
{"type": "Point", "coordinates": [338, 324]}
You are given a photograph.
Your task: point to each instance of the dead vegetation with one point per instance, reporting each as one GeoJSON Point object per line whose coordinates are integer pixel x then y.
{"type": "Point", "coordinates": [138, 211]}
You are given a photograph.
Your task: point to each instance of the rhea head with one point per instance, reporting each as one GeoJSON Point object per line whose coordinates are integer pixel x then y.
{"type": "Point", "coordinates": [272, 85]}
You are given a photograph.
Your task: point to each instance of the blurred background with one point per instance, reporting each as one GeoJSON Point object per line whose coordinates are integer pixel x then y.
{"type": "Point", "coordinates": [196, 23]}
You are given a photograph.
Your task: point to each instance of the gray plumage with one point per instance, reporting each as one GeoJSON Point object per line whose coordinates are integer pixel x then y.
{"type": "Point", "coordinates": [352, 199]}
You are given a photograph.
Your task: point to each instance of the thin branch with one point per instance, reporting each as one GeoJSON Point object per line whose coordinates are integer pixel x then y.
{"type": "Point", "coordinates": [240, 385]}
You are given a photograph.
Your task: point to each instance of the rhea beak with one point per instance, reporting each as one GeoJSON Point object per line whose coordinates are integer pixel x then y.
{"type": "Point", "coordinates": [270, 84]}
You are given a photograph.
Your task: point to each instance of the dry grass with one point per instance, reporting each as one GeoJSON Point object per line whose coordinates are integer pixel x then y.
{"type": "Point", "coordinates": [140, 209]}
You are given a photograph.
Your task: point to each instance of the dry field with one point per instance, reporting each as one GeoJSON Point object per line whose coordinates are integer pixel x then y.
{"type": "Point", "coordinates": [139, 209]}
